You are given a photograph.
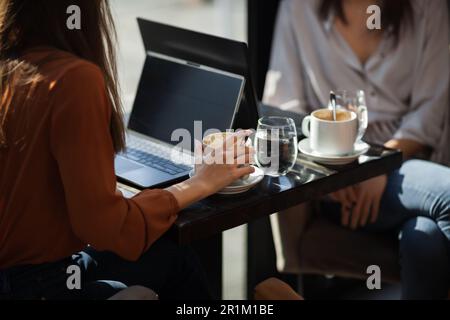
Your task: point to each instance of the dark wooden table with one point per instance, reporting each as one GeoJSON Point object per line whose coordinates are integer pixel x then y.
{"type": "Point", "coordinates": [202, 224]}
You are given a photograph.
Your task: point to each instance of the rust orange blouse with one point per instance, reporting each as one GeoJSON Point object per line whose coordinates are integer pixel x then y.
{"type": "Point", "coordinates": [57, 181]}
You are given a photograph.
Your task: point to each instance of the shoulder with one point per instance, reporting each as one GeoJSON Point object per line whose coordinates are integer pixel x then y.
{"type": "Point", "coordinates": [299, 6]}
{"type": "Point", "coordinates": [74, 86]}
{"type": "Point", "coordinates": [82, 74]}
{"type": "Point", "coordinates": [429, 10]}
{"type": "Point", "coordinates": [300, 14]}
{"type": "Point", "coordinates": [74, 70]}
{"type": "Point", "coordinates": [421, 5]}
{"type": "Point", "coordinates": [57, 66]}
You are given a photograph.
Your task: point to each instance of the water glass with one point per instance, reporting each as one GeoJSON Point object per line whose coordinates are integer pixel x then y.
{"type": "Point", "coordinates": [276, 145]}
{"type": "Point", "coordinates": [354, 101]}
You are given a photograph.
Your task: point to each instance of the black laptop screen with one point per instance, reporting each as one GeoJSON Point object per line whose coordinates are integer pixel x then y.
{"type": "Point", "coordinates": [174, 95]}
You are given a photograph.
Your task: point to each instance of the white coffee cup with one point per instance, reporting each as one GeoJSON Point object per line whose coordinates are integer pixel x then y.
{"type": "Point", "coordinates": [329, 137]}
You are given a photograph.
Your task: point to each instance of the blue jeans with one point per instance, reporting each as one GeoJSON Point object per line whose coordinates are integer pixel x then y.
{"type": "Point", "coordinates": [416, 204]}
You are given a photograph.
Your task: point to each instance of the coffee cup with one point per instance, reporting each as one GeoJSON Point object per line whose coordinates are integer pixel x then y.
{"type": "Point", "coordinates": [217, 140]}
{"type": "Point", "coordinates": [329, 137]}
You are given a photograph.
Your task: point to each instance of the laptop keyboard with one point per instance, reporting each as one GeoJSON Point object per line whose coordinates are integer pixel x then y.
{"type": "Point", "coordinates": [145, 153]}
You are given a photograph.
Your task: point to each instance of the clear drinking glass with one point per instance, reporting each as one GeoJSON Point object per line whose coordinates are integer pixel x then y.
{"type": "Point", "coordinates": [276, 145]}
{"type": "Point", "coordinates": [355, 101]}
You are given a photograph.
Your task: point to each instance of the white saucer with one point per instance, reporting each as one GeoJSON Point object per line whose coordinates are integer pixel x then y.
{"type": "Point", "coordinates": [241, 186]}
{"type": "Point", "coordinates": [360, 149]}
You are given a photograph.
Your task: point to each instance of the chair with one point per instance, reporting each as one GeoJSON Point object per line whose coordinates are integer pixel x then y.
{"type": "Point", "coordinates": [308, 243]}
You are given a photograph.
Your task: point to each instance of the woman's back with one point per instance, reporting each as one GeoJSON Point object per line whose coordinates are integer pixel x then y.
{"type": "Point", "coordinates": [32, 194]}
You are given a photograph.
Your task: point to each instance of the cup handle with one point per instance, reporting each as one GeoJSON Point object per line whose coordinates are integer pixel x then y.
{"type": "Point", "coordinates": [362, 110]}
{"type": "Point", "coordinates": [305, 126]}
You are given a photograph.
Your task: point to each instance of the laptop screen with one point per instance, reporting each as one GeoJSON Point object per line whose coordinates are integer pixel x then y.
{"type": "Point", "coordinates": [174, 94]}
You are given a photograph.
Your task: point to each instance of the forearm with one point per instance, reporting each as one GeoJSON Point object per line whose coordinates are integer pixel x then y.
{"type": "Point", "coordinates": [189, 192]}
{"type": "Point", "coordinates": [409, 148]}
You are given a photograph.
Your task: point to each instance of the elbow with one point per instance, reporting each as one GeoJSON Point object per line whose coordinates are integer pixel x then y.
{"type": "Point", "coordinates": [104, 239]}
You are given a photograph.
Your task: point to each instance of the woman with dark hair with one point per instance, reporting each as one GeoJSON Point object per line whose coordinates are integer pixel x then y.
{"type": "Point", "coordinates": [60, 125]}
{"type": "Point", "coordinates": [325, 45]}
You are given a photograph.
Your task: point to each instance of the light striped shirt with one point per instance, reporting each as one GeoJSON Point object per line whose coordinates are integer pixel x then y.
{"type": "Point", "coordinates": [406, 82]}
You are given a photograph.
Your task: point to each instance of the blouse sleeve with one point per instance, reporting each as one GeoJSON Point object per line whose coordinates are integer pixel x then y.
{"type": "Point", "coordinates": [284, 82]}
{"type": "Point", "coordinates": [429, 105]}
{"type": "Point", "coordinates": [82, 147]}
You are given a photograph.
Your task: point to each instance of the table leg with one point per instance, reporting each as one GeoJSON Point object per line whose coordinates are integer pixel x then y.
{"type": "Point", "coordinates": [261, 256]}
{"type": "Point", "coordinates": [210, 254]}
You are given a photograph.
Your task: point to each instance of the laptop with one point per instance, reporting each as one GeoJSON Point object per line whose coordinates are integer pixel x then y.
{"type": "Point", "coordinates": [174, 96]}
{"type": "Point", "coordinates": [208, 50]}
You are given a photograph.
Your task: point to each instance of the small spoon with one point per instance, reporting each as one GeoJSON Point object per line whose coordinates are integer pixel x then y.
{"type": "Point", "coordinates": [333, 104]}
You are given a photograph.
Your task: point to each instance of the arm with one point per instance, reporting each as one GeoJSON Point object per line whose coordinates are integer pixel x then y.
{"type": "Point", "coordinates": [422, 126]}
{"type": "Point", "coordinates": [83, 151]}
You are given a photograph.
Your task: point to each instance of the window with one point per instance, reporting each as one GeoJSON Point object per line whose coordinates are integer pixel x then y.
{"type": "Point", "coordinates": [226, 18]}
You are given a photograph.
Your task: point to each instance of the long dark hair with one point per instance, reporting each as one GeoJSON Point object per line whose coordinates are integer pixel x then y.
{"type": "Point", "coordinates": [28, 23]}
{"type": "Point", "coordinates": [394, 13]}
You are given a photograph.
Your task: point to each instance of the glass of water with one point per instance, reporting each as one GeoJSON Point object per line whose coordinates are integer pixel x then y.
{"type": "Point", "coordinates": [354, 101]}
{"type": "Point", "coordinates": [276, 145]}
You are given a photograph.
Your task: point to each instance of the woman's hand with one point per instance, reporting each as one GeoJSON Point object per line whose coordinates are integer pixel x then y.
{"type": "Point", "coordinates": [347, 198]}
{"type": "Point", "coordinates": [409, 148]}
{"type": "Point", "coordinates": [361, 203]}
{"type": "Point", "coordinates": [215, 170]}
{"type": "Point", "coordinates": [367, 207]}
{"type": "Point", "coordinates": [222, 166]}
